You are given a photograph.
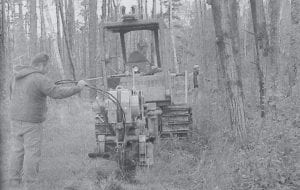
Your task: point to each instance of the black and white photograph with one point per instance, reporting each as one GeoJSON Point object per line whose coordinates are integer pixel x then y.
{"type": "Point", "coordinates": [149, 94]}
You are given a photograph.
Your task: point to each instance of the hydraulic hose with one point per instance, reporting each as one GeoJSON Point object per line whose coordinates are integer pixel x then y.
{"type": "Point", "coordinates": [104, 93]}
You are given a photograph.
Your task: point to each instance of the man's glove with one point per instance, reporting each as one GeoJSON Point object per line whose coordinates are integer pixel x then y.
{"type": "Point", "coordinates": [81, 84]}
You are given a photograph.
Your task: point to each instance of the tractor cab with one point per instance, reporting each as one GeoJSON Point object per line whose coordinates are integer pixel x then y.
{"type": "Point", "coordinates": [131, 25]}
{"type": "Point", "coordinates": [140, 66]}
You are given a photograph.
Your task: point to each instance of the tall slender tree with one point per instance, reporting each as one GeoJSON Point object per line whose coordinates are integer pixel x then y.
{"type": "Point", "coordinates": [154, 8]}
{"type": "Point", "coordinates": [84, 30]}
{"type": "Point", "coordinates": [116, 4]}
{"type": "Point", "coordinates": [43, 29]}
{"type": "Point", "coordinates": [103, 16]}
{"type": "Point", "coordinates": [109, 10]}
{"type": "Point", "coordinates": [58, 29]}
{"type": "Point", "coordinates": [33, 27]}
{"type": "Point", "coordinates": [295, 44]}
{"type": "Point", "coordinates": [70, 66]}
{"type": "Point", "coordinates": [3, 107]}
{"type": "Point", "coordinates": [161, 8]}
{"type": "Point", "coordinates": [172, 35]}
{"type": "Point", "coordinates": [20, 49]}
{"type": "Point", "coordinates": [70, 20]}
{"type": "Point", "coordinates": [146, 9]}
{"type": "Point", "coordinates": [273, 70]}
{"type": "Point", "coordinates": [92, 41]}
{"type": "Point", "coordinates": [261, 47]}
{"type": "Point", "coordinates": [55, 41]}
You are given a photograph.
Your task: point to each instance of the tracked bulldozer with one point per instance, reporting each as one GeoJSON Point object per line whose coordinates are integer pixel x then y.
{"type": "Point", "coordinates": [147, 102]}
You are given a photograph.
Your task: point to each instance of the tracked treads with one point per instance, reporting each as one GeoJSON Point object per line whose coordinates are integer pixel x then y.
{"type": "Point", "coordinates": [176, 121]}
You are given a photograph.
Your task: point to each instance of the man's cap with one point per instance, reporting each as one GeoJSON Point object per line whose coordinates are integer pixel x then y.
{"type": "Point", "coordinates": [142, 43]}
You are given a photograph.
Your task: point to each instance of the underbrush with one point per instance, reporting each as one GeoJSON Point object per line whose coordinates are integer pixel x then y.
{"type": "Point", "coordinates": [212, 160]}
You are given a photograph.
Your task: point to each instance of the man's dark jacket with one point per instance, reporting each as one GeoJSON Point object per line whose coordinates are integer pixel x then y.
{"type": "Point", "coordinates": [29, 92]}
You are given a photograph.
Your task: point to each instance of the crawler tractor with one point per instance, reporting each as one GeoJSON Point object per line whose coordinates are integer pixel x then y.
{"type": "Point", "coordinates": [140, 108]}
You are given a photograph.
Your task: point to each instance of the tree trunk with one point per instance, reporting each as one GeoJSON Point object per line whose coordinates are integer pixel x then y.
{"type": "Point", "coordinates": [142, 9]}
{"type": "Point", "coordinates": [33, 28]}
{"type": "Point", "coordinates": [9, 30]}
{"type": "Point", "coordinates": [176, 66]}
{"type": "Point", "coordinates": [116, 10]}
{"type": "Point", "coordinates": [295, 44]}
{"type": "Point", "coordinates": [199, 26]}
{"type": "Point", "coordinates": [58, 35]}
{"type": "Point", "coordinates": [273, 69]}
{"type": "Point", "coordinates": [43, 30]}
{"type": "Point", "coordinates": [230, 60]}
{"type": "Point", "coordinates": [93, 41]}
{"type": "Point", "coordinates": [84, 41]}
{"type": "Point", "coordinates": [261, 47]}
{"type": "Point", "coordinates": [70, 22]}
{"type": "Point", "coordinates": [161, 8]}
{"type": "Point", "coordinates": [70, 19]}
{"type": "Point", "coordinates": [109, 10]}
{"type": "Point", "coordinates": [153, 8]}
{"type": "Point", "coordinates": [20, 48]}
{"type": "Point", "coordinates": [2, 58]}
{"type": "Point", "coordinates": [235, 73]}
{"type": "Point", "coordinates": [55, 41]}
{"type": "Point", "coordinates": [103, 17]}
{"type": "Point", "coordinates": [70, 67]}
{"type": "Point", "coordinates": [146, 9]}
{"type": "Point", "coordinates": [3, 99]}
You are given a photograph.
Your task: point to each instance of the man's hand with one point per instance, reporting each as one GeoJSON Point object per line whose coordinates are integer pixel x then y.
{"type": "Point", "coordinates": [82, 84]}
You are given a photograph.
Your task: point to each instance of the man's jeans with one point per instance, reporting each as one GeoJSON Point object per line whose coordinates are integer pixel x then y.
{"type": "Point", "coordinates": [26, 139]}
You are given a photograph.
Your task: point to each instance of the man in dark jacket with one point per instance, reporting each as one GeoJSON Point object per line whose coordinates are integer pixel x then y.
{"type": "Point", "coordinates": [28, 108]}
{"type": "Point", "coordinates": [139, 59]}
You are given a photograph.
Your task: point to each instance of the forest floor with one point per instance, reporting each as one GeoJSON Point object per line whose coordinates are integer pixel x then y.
{"type": "Point", "coordinates": [209, 161]}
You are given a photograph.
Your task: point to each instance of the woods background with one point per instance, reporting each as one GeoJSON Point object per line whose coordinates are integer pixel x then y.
{"type": "Point", "coordinates": [246, 110]}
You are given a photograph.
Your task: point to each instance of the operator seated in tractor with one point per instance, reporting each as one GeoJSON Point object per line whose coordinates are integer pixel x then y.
{"type": "Point", "coordinates": [139, 59]}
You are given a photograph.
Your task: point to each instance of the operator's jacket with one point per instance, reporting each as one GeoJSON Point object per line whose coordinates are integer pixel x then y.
{"type": "Point", "coordinates": [29, 92]}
